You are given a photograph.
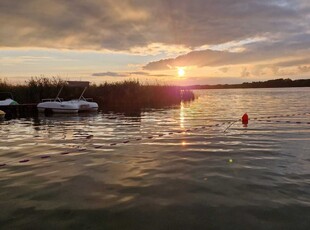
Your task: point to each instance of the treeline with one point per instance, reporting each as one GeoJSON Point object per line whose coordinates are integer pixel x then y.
{"type": "Point", "coordinates": [276, 83]}
{"type": "Point", "coordinates": [119, 96]}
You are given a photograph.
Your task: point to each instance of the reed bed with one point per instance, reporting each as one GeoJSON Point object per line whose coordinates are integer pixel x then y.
{"type": "Point", "coordinates": [126, 95]}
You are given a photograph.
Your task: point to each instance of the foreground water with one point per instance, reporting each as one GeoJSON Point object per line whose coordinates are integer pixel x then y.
{"type": "Point", "coordinates": [65, 172]}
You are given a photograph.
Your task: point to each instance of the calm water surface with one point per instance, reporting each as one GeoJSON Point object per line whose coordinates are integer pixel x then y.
{"type": "Point", "coordinates": [218, 177]}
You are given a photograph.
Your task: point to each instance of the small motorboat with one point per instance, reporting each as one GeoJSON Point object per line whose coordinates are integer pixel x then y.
{"type": "Point", "coordinates": [58, 105]}
{"type": "Point", "coordinates": [9, 100]}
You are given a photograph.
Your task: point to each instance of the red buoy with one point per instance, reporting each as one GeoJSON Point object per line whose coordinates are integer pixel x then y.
{"type": "Point", "coordinates": [245, 119]}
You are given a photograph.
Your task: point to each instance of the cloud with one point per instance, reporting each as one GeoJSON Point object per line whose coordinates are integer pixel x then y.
{"type": "Point", "coordinates": [127, 74]}
{"type": "Point", "coordinates": [304, 69]}
{"type": "Point", "coordinates": [294, 47]}
{"type": "Point", "coordinates": [130, 24]}
{"type": "Point", "coordinates": [295, 62]}
{"type": "Point", "coordinates": [200, 59]}
{"type": "Point", "coordinates": [139, 73]}
{"type": "Point", "coordinates": [224, 69]}
{"type": "Point", "coordinates": [293, 67]}
{"type": "Point", "coordinates": [160, 75]}
{"type": "Point", "coordinates": [245, 73]}
{"type": "Point", "coordinates": [30, 60]}
{"type": "Point", "coordinates": [109, 74]}
{"type": "Point", "coordinates": [251, 37]}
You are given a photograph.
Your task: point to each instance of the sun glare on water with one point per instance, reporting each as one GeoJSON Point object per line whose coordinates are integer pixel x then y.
{"type": "Point", "coordinates": [181, 72]}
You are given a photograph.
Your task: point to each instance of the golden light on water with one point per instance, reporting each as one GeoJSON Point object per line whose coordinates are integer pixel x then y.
{"type": "Point", "coordinates": [181, 71]}
{"type": "Point", "coordinates": [182, 115]}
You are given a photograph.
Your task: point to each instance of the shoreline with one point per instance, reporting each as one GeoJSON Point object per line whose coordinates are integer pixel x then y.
{"type": "Point", "coordinates": [119, 97]}
{"type": "Point", "coordinates": [276, 83]}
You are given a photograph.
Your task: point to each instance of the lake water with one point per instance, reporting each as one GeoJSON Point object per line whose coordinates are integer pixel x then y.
{"type": "Point", "coordinates": [193, 166]}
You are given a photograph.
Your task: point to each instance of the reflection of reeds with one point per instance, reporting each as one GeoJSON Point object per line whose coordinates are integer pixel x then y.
{"type": "Point", "coordinates": [126, 95]}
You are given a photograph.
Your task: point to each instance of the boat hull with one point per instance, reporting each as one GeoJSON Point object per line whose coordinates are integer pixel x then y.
{"type": "Point", "coordinates": [8, 101]}
{"type": "Point", "coordinates": [43, 110]}
{"type": "Point", "coordinates": [57, 107]}
{"type": "Point", "coordinates": [73, 106]}
{"type": "Point", "coordinates": [86, 106]}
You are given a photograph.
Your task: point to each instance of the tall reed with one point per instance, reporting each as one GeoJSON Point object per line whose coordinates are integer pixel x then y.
{"type": "Point", "coordinates": [129, 94]}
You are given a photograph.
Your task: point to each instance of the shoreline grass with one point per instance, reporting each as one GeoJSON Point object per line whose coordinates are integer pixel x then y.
{"type": "Point", "coordinates": [128, 95]}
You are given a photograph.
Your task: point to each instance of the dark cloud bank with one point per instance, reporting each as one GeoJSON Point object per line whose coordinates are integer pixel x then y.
{"type": "Point", "coordinates": [125, 24]}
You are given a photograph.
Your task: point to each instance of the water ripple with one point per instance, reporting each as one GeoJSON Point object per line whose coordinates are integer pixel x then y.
{"type": "Point", "coordinates": [190, 166]}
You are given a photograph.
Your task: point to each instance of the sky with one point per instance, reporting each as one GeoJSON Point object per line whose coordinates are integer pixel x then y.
{"type": "Point", "coordinates": [181, 42]}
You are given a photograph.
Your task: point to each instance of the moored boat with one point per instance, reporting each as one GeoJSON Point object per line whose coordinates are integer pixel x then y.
{"type": "Point", "coordinates": [58, 105]}
{"type": "Point", "coordinates": [8, 99]}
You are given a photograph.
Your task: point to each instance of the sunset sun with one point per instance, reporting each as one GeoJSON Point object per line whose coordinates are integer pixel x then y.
{"type": "Point", "coordinates": [181, 72]}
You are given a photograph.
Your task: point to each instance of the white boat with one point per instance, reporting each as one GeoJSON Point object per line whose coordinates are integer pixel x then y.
{"type": "Point", "coordinates": [58, 105]}
{"type": "Point", "coordinates": [8, 99]}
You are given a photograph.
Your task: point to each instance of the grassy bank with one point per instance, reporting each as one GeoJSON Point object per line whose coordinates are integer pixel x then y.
{"type": "Point", "coordinates": [120, 96]}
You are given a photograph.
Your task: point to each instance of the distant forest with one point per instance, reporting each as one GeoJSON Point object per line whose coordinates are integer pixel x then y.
{"type": "Point", "coordinates": [277, 83]}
